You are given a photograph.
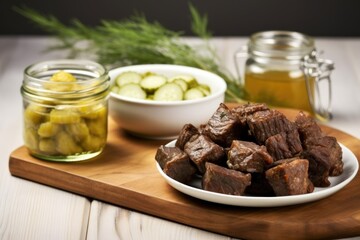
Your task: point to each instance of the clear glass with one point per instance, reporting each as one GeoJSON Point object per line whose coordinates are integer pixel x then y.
{"type": "Point", "coordinates": [65, 121]}
{"type": "Point", "coordinates": [280, 85]}
{"type": "Point", "coordinates": [277, 72]}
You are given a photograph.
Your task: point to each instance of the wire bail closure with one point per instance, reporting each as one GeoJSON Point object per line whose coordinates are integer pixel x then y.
{"type": "Point", "coordinates": [318, 71]}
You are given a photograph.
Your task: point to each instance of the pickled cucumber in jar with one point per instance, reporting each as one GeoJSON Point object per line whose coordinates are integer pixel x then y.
{"type": "Point", "coordinates": [56, 131]}
{"type": "Point", "coordinates": [62, 82]}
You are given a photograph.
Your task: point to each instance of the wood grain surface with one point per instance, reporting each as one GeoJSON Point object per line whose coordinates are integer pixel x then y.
{"type": "Point", "coordinates": [125, 175]}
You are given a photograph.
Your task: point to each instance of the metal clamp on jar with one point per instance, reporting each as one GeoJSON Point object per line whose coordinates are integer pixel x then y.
{"type": "Point", "coordinates": [283, 69]}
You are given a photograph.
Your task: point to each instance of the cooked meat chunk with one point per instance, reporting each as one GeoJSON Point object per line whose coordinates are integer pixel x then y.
{"type": "Point", "coordinates": [223, 180]}
{"type": "Point", "coordinates": [175, 163]}
{"type": "Point", "coordinates": [180, 169]}
{"type": "Point", "coordinates": [248, 157]}
{"type": "Point", "coordinates": [293, 141]}
{"type": "Point", "coordinates": [242, 112]}
{"type": "Point", "coordinates": [165, 154]}
{"type": "Point", "coordinates": [329, 154]}
{"type": "Point", "coordinates": [185, 134]}
{"type": "Point", "coordinates": [201, 149]}
{"type": "Point", "coordinates": [222, 127]}
{"type": "Point", "coordinates": [287, 160]}
{"type": "Point", "coordinates": [259, 185]}
{"type": "Point", "coordinates": [289, 178]}
{"type": "Point", "coordinates": [319, 166]}
{"type": "Point", "coordinates": [277, 146]}
{"type": "Point", "coordinates": [308, 129]}
{"type": "Point", "coordinates": [335, 154]}
{"type": "Point", "coordinates": [264, 124]}
{"type": "Point", "coordinates": [325, 159]}
{"type": "Point", "coordinates": [245, 110]}
{"type": "Point", "coordinates": [284, 145]}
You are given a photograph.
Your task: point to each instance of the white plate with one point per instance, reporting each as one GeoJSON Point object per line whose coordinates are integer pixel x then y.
{"type": "Point", "coordinates": [351, 167]}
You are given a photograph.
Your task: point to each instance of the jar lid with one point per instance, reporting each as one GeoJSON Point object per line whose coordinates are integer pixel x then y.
{"type": "Point", "coordinates": [281, 44]}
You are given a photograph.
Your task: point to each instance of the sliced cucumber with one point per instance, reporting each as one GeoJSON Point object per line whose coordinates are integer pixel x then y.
{"type": "Point", "coordinates": [205, 89]}
{"type": "Point", "coordinates": [153, 86]}
{"type": "Point", "coordinates": [190, 80]}
{"type": "Point", "coordinates": [115, 89]}
{"type": "Point", "coordinates": [193, 93]}
{"type": "Point", "coordinates": [128, 77]}
{"type": "Point", "coordinates": [132, 90]}
{"type": "Point", "coordinates": [185, 77]}
{"type": "Point", "coordinates": [146, 74]}
{"type": "Point", "coordinates": [169, 92]}
{"type": "Point", "coordinates": [152, 82]}
{"type": "Point", "coordinates": [181, 82]}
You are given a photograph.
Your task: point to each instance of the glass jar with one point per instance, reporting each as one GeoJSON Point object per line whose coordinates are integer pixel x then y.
{"type": "Point", "coordinates": [65, 120]}
{"type": "Point", "coordinates": [282, 69]}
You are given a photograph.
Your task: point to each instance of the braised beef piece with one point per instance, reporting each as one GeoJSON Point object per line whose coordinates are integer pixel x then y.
{"type": "Point", "coordinates": [185, 134]}
{"type": "Point", "coordinates": [223, 180]}
{"type": "Point", "coordinates": [287, 160]}
{"type": "Point", "coordinates": [242, 112]}
{"type": "Point", "coordinates": [308, 129]}
{"type": "Point", "coordinates": [264, 124]}
{"type": "Point", "coordinates": [222, 127]}
{"type": "Point", "coordinates": [293, 141]}
{"type": "Point", "coordinates": [165, 154]}
{"type": "Point", "coordinates": [259, 186]}
{"type": "Point", "coordinates": [245, 110]}
{"type": "Point", "coordinates": [325, 159]}
{"type": "Point", "coordinates": [202, 149]}
{"type": "Point", "coordinates": [284, 145]}
{"type": "Point", "coordinates": [277, 146]}
{"type": "Point", "coordinates": [319, 166]}
{"type": "Point", "coordinates": [175, 163]}
{"type": "Point", "coordinates": [248, 157]}
{"type": "Point", "coordinates": [289, 178]}
{"type": "Point", "coordinates": [313, 138]}
{"type": "Point", "coordinates": [311, 186]}
{"type": "Point", "coordinates": [335, 154]}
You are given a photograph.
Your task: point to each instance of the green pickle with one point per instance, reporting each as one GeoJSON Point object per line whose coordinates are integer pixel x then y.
{"type": "Point", "coordinates": [66, 144]}
{"type": "Point", "coordinates": [47, 145]}
{"type": "Point", "coordinates": [31, 138]}
{"type": "Point", "coordinates": [79, 131]}
{"type": "Point", "coordinates": [48, 129]}
{"type": "Point", "coordinates": [65, 116]}
{"type": "Point", "coordinates": [64, 131]}
{"type": "Point", "coordinates": [34, 114]}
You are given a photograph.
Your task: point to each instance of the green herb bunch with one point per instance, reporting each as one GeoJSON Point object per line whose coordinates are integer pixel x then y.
{"type": "Point", "coordinates": [137, 41]}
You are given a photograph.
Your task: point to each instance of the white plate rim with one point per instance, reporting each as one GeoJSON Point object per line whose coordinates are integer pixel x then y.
{"type": "Point", "coordinates": [351, 167]}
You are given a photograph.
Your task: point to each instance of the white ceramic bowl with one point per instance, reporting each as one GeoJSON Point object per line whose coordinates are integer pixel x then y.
{"type": "Point", "coordinates": [164, 120]}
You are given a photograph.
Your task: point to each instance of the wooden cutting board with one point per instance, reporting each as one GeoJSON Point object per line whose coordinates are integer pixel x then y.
{"type": "Point", "coordinates": [126, 175]}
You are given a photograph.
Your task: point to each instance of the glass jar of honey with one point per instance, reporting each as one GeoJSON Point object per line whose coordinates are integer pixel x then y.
{"type": "Point", "coordinates": [65, 109]}
{"type": "Point", "coordinates": [283, 69]}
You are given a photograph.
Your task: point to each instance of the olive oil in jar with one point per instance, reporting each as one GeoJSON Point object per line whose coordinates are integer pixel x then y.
{"type": "Point", "coordinates": [278, 88]}
{"type": "Point", "coordinates": [282, 69]}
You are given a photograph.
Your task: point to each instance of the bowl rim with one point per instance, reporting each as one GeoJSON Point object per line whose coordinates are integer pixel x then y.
{"type": "Point", "coordinates": [220, 89]}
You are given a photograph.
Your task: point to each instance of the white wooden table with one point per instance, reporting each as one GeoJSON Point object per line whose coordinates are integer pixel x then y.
{"type": "Point", "coordinates": [33, 211]}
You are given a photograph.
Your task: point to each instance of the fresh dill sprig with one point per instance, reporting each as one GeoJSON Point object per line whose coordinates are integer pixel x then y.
{"type": "Point", "coordinates": [137, 41]}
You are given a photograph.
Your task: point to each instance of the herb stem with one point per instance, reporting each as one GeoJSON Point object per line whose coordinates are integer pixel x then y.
{"type": "Point", "coordinates": [137, 41]}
